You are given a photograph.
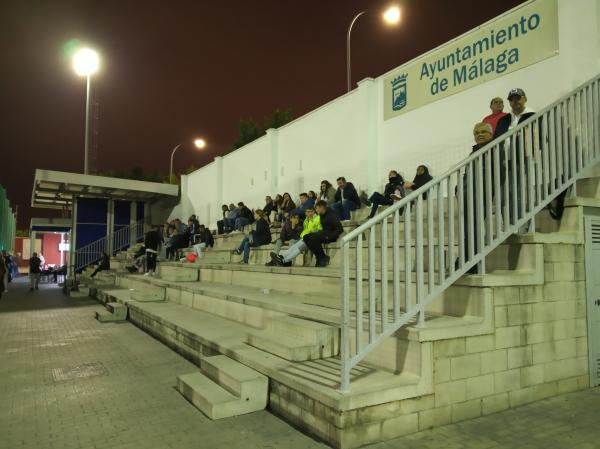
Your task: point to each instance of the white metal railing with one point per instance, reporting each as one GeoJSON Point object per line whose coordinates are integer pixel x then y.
{"type": "Point", "coordinates": [448, 226]}
{"type": "Point", "coordinates": [110, 244]}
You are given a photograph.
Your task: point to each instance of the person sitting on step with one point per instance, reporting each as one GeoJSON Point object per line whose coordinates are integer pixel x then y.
{"type": "Point", "coordinates": [104, 264]}
{"type": "Point", "coordinates": [270, 207]}
{"type": "Point", "coordinates": [305, 202]}
{"type": "Point", "coordinates": [290, 232]}
{"type": "Point", "coordinates": [331, 231]}
{"type": "Point", "coordinates": [394, 191]}
{"type": "Point", "coordinates": [221, 223]}
{"type": "Point", "coordinates": [245, 217]}
{"type": "Point", "coordinates": [346, 199]}
{"type": "Point", "coordinates": [286, 206]}
{"type": "Point", "coordinates": [205, 240]}
{"type": "Point", "coordinates": [421, 178]}
{"type": "Point", "coordinates": [311, 224]}
{"type": "Point", "coordinates": [259, 237]}
{"type": "Point", "coordinates": [326, 192]}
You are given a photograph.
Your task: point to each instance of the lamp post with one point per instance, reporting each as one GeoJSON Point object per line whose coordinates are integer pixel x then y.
{"type": "Point", "coordinates": [391, 16]}
{"type": "Point", "coordinates": [198, 143]}
{"type": "Point", "coordinates": [86, 63]}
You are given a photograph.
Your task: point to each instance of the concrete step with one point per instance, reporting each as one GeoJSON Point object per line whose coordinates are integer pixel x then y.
{"type": "Point", "coordinates": [289, 348]}
{"type": "Point", "coordinates": [114, 312]}
{"type": "Point", "coordinates": [210, 398]}
{"type": "Point", "coordinates": [178, 272]}
{"type": "Point", "coordinates": [245, 383]}
{"type": "Point", "coordinates": [148, 294]}
{"type": "Point", "coordinates": [301, 329]}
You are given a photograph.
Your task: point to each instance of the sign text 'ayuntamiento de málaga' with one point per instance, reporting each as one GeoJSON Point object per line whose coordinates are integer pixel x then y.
{"type": "Point", "coordinates": [526, 36]}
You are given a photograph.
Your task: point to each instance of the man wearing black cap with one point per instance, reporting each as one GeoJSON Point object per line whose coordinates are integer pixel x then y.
{"type": "Point", "coordinates": [519, 112]}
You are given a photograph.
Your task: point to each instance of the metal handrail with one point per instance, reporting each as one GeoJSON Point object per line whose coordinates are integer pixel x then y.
{"type": "Point", "coordinates": [459, 218]}
{"type": "Point", "coordinates": [112, 243]}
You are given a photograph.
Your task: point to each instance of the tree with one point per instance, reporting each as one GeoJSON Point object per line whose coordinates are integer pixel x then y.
{"type": "Point", "coordinates": [249, 130]}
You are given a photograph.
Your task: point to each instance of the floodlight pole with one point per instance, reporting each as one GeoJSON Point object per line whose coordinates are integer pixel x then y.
{"type": "Point", "coordinates": [173, 154]}
{"type": "Point", "coordinates": [86, 161]}
{"type": "Point", "coordinates": [348, 65]}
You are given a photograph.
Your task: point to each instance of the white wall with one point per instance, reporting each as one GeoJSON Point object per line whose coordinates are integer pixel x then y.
{"type": "Point", "coordinates": [348, 136]}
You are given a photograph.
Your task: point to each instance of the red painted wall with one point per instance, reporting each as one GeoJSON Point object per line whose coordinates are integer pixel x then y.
{"type": "Point", "coordinates": [50, 248]}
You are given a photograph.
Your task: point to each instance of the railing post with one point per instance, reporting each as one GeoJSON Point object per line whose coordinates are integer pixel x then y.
{"type": "Point", "coordinates": [344, 337]}
{"type": "Point", "coordinates": [419, 258]}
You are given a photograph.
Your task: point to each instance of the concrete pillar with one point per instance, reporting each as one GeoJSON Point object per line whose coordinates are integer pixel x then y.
{"type": "Point", "coordinates": [73, 240]}
{"type": "Point", "coordinates": [110, 225]}
{"type": "Point", "coordinates": [132, 223]}
{"type": "Point", "coordinates": [273, 136]}
{"type": "Point", "coordinates": [368, 89]}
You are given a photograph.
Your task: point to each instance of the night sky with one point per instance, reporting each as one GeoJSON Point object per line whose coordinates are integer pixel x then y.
{"type": "Point", "coordinates": [175, 70]}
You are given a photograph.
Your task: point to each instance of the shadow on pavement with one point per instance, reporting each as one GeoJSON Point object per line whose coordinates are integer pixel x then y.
{"type": "Point", "coordinates": [49, 296]}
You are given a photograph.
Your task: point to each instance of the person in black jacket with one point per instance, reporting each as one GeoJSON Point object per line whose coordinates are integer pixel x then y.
{"type": "Point", "coordinates": [35, 264]}
{"type": "Point", "coordinates": [152, 241]}
{"type": "Point", "coordinates": [332, 229]}
{"type": "Point", "coordinates": [421, 178]}
{"type": "Point", "coordinates": [221, 224]}
{"type": "Point", "coordinates": [346, 199]}
{"type": "Point", "coordinates": [261, 236]}
{"type": "Point", "coordinates": [270, 207]}
{"type": "Point", "coordinates": [519, 112]}
{"type": "Point", "coordinates": [290, 232]}
{"type": "Point", "coordinates": [245, 217]}
{"type": "Point", "coordinates": [104, 264]}
{"type": "Point", "coordinates": [394, 190]}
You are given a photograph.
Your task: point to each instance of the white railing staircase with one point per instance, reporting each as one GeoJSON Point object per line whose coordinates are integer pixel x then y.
{"type": "Point", "coordinates": [454, 221]}
{"type": "Point", "coordinates": [111, 243]}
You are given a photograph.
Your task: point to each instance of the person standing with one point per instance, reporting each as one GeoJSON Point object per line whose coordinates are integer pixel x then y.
{"type": "Point", "coordinates": [35, 264]}
{"type": "Point", "coordinates": [3, 270]}
{"type": "Point", "coordinates": [331, 231]}
{"type": "Point", "coordinates": [152, 242]}
{"type": "Point", "coordinates": [497, 107]}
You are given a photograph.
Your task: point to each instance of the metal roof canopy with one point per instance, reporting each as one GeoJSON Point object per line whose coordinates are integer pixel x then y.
{"type": "Point", "coordinates": [56, 189]}
{"type": "Point", "coordinates": [50, 225]}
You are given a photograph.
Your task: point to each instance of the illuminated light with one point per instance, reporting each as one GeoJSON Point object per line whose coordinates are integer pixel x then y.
{"type": "Point", "coordinates": [392, 15]}
{"type": "Point", "coordinates": [86, 62]}
{"type": "Point", "coordinates": [199, 143]}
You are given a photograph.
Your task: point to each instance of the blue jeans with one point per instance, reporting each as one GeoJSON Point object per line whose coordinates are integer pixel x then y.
{"type": "Point", "coordinates": [343, 208]}
{"type": "Point", "coordinates": [240, 222]}
{"type": "Point", "coordinates": [245, 248]}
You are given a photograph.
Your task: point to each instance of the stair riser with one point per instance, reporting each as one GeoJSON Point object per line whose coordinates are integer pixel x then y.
{"type": "Point", "coordinates": [299, 354]}
{"type": "Point", "coordinates": [178, 273]}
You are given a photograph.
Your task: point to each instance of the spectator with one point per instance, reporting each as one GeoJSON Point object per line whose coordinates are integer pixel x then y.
{"type": "Point", "coordinates": [261, 236]}
{"type": "Point", "coordinates": [346, 199]}
{"type": "Point", "coordinates": [172, 242]}
{"type": "Point", "coordinates": [279, 204]}
{"type": "Point", "coordinates": [181, 227]}
{"type": "Point", "coordinates": [192, 229]}
{"type": "Point", "coordinates": [305, 202]}
{"type": "Point", "coordinates": [331, 230]}
{"type": "Point", "coordinates": [206, 240]}
{"type": "Point", "coordinates": [3, 270]}
{"type": "Point", "coordinates": [270, 207]}
{"type": "Point", "coordinates": [497, 107]}
{"type": "Point", "coordinates": [139, 260]}
{"type": "Point", "coordinates": [311, 224]}
{"type": "Point", "coordinates": [104, 264]}
{"type": "Point", "coordinates": [232, 216]}
{"type": "Point", "coordinates": [312, 196]}
{"type": "Point", "coordinates": [286, 206]}
{"type": "Point", "coordinates": [518, 114]}
{"type": "Point", "coordinates": [290, 232]}
{"type": "Point", "coordinates": [221, 223]}
{"type": "Point", "coordinates": [327, 192]}
{"type": "Point", "coordinates": [394, 191]}
{"type": "Point", "coordinates": [482, 132]}
{"type": "Point", "coordinates": [421, 178]}
{"type": "Point", "coordinates": [152, 242]}
{"type": "Point", "coordinates": [245, 218]}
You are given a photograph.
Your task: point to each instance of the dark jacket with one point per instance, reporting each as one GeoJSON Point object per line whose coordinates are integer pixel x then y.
{"type": "Point", "coordinates": [104, 263]}
{"type": "Point", "coordinates": [502, 128]}
{"type": "Point", "coordinates": [262, 234]}
{"type": "Point", "coordinates": [287, 206]}
{"type": "Point", "coordinates": [207, 238]}
{"type": "Point", "coordinates": [270, 207]}
{"type": "Point", "coordinates": [247, 213]}
{"type": "Point", "coordinates": [350, 194]}
{"type": "Point", "coordinates": [504, 123]}
{"type": "Point", "coordinates": [332, 227]}
{"type": "Point", "coordinates": [395, 183]}
{"type": "Point", "coordinates": [288, 233]}
{"type": "Point", "coordinates": [34, 265]}
{"type": "Point", "coordinates": [421, 180]}
{"type": "Point", "coordinates": [152, 240]}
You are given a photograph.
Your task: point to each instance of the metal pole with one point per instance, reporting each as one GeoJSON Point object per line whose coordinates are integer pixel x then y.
{"type": "Point", "coordinates": [348, 65]}
{"type": "Point", "coordinates": [87, 128]}
{"type": "Point", "coordinates": [172, 154]}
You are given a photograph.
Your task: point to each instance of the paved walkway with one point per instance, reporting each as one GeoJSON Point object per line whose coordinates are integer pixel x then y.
{"type": "Point", "coordinates": [67, 381]}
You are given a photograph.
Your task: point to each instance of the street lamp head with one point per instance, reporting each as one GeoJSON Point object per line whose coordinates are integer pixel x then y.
{"type": "Point", "coordinates": [392, 15]}
{"type": "Point", "coordinates": [86, 62]}
{"type": "Point", "coordinates": [199, 143]}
